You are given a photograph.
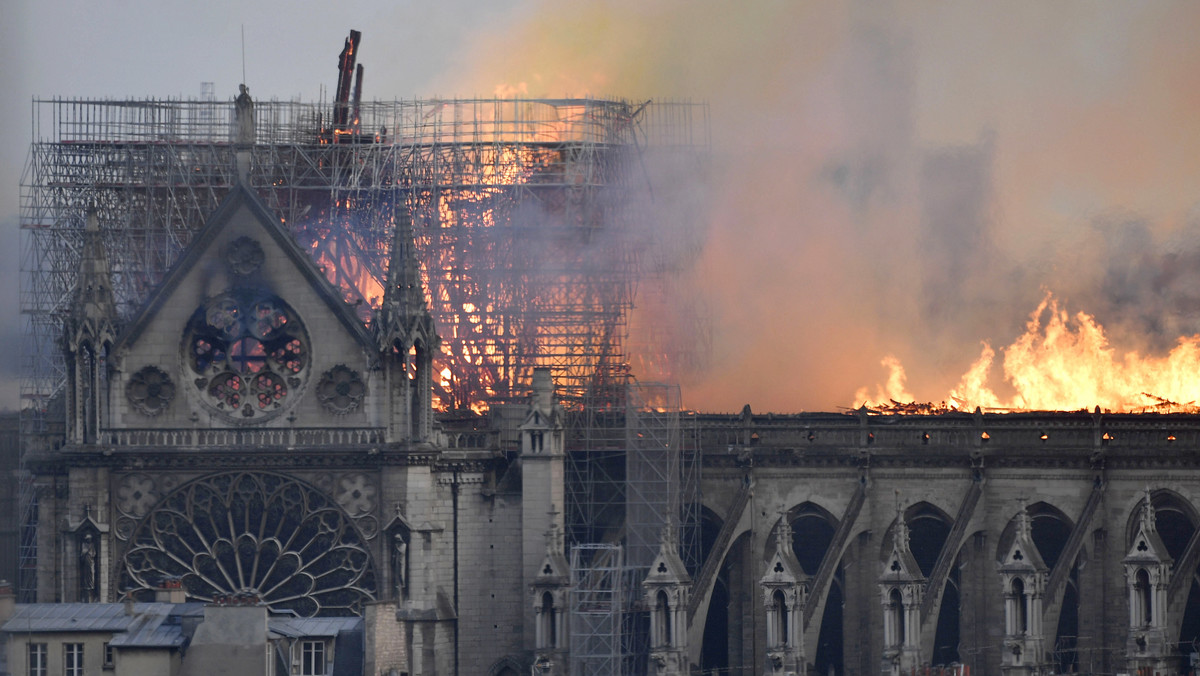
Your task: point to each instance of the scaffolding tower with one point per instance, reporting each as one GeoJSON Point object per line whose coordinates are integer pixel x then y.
{"type": "Point", "coordinates": [633, 470]}
{"type": "Point", "coordinates": [598, 597]}
{"type": "Point", "coordinates": [530, 217]}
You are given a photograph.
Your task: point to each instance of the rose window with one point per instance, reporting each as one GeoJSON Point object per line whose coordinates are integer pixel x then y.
{"type": "Point", "coordinates": [263, 534]}
{"type": "Point", "coordinates": [150, 390]}
{"type": "Point", "coordinates": [249, 352]}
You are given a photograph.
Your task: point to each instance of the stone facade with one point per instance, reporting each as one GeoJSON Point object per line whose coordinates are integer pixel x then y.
{"type": "Point", "coordinates": [245, 433]}
{"type": "Point", "coordinates": [966, 482]}
{"type": "Point", "coordinates": [249, 433]}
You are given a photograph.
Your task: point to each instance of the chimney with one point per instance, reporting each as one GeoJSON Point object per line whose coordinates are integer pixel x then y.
{"type": "Point", "coordinates": [543, 389]}
{"type": "Point", "coordinates": [170, 591]}
{"type": "Point", "coordinates": [8, 602]}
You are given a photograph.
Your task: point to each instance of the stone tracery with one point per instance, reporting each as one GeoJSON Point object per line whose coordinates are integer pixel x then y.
{"type": "Point", "coordinates": [262, 533]}
{"type": "Point", "coordinates": [250, 353]}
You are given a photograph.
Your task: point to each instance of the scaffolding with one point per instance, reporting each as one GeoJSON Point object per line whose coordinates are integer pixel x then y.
{"type": "Point", "coordinates": [598, 597]}
{"type": "Point", "coordinates": [530, 217]}
{"type": "Point", "coordinates": [633, 470]}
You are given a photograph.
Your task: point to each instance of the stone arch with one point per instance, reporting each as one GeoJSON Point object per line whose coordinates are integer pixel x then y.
{"type": "Point", "coordinates": [729, 607]}
{"type": "Point", "coordinates": [1050, 524]}
{"type": "Point", "coordinates": [813, 527]}
{"type": "Point", "coordinates": [507, 666]}
{"type": "Point", "coordinates": [1176, 520]}
{"type": "Point", "coordinates": [1051, 528]}
{"type": "Point", "coordinates": [257, 533]}
{"type": "Point", "coordinates": [1174, 517]}
{"type": "Point", "coordinates": [929, 529]}
{"type": "Point", "coordinates": [811, 523]}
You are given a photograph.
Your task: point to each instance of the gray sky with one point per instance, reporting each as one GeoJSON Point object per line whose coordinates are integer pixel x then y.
{"type": "Point", "coordinates": [903, 178]}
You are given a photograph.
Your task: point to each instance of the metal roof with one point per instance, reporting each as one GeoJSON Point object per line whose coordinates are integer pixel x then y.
{"type": "Point", "coordinates": [43, 617]}
{"type": "Point", "coordinates": [146, 626]}
{"type": "Point", "coordinates": [295, 627]}
{"type": "Point", "coordinates": [158, 626]}
{"type": "Point", "coordinates": [152, 624]}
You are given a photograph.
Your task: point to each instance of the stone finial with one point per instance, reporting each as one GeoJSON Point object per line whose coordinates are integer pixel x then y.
{"type": "Point", "coordinates": [783, 532]}
{"type": "Point", "coordinates": [1024, 522]}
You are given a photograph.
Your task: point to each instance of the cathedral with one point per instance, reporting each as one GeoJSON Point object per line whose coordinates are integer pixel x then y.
{"type": "Point", "coordinates": [247, 436]}
{"type": "Point", "coordinates": [247, 439]}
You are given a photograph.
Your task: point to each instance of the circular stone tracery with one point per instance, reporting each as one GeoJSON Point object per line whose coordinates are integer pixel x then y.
{"type": "Point", "coordinates": [265, 534]}
{"type": "Point", "coordinates": [341, 390]}
{"type": "Point", "coordinates": [250, 353]}
{"type": "Point", "coordinates": [150, 390]}
{"type": "Point", "coordinates": [244, 255]}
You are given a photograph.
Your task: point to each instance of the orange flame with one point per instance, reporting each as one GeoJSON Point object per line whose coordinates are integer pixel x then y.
{"type": "Point", "coordinates": [1065, 362]}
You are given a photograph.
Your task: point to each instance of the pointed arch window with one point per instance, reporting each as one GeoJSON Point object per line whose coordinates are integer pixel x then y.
{"type": "Point", "coordinates": [780, 618]}
{"type": "Point", "coordinates": [1018, 608]}
{"type": "Point", "coordinates": [1143, 599]}
{"type": "Point", "coordinates": [894, 629]}
{"type": "Point", "coordinates": [548, 619]}
{"type": "Point", "coordinates": [662, 608]}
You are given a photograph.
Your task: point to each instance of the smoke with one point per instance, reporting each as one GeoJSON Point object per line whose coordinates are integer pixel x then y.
{"type": "Point", "coordinates": [894, 180]}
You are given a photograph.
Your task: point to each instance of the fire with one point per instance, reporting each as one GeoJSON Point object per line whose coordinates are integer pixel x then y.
{"type": "Point", "coordinates": [895, 389]}
{"type": "Point", "coordinates": [1064, 361]}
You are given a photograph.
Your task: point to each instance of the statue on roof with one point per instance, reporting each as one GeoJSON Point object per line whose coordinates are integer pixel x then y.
{"type": "Point", "coordinates": [243, 107]}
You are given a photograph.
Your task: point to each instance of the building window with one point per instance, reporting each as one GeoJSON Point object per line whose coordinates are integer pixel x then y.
{"type": "Point", "coordinates": [1021, 614]}
{"type": "Point", "coordinates": [779, 619]}
{"type": "Point", "coordinates": [73, 659]}
{"type": "Point", "coordinates": [37, 659]}
{"type": "Point", "coordinates": [894, 620]}
{"type": "Point", "coordinates": [108, 654]}
{"type": "Point", "coordinates": [312, 658]}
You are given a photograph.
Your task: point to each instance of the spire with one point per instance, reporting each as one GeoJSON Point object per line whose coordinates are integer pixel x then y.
{"type": "Point", "coordinates": [667, 567]}
{"type": "Point", "coordinates": [404, 316]}
{"type": "Point", "coordinates": [93, 309]}
{"type": "Point", "coordinates": [1024, 523]}
{"type": "Point", "coordinates": [667, 538]}
{"type": "Point", "coordinates": [554, 570]}
{"type": "Point", "coordinates": [783, 533]}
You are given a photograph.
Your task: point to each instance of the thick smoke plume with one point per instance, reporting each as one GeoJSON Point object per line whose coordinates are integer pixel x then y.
{"type": "Point", "coordinates": [898, 181]}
